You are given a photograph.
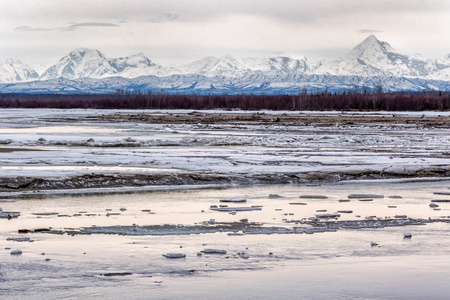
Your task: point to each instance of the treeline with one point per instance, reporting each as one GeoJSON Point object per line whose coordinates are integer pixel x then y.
{"type": "Point", "coordinates": [301, 101]}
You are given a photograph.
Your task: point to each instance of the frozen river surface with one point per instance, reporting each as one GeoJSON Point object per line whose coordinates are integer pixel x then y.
{"type": "Point", "coordinates": [86, 142]}
{"type": "Point", "coordinates": [284, 265]}
{"type": "Point", "coordinates": [113, 195]}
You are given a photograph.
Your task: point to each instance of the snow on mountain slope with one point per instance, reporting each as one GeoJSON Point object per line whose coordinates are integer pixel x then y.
{"type": "Point", "coordinates": [40, 69]}
{"type": "Point", "coordinates": [370, 62]}
{"type": "Point", "coordinates": [135, 66]}
{"type": "Point", "coordinates": [212, 66]}
{"type": "Point", "coordinates": [373, 57]}
{"type": "Point", "coordinates": [16, 71]}
{"type": "Point", "coordinates": [91, 63]}
{"type": "Point", "coordinates": [252, 83]}
{"type": "Point", "coordinates": [241, 66]}
{"type": "Point", "coordinates": [441, 69]}
{"type": "Point", "coordinates": [81, 63]}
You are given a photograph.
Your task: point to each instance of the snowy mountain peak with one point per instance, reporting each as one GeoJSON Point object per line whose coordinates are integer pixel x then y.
{"type": "Point", "coordinates": [135, 65]}
{"type": "Point", "coordinates": [83, 53]}
{"type": "Point", "coordinates": [14, 70]}
{"type": "Point", "coordinates": [370, 59]}
{"type": "Point", "coordinates": [136, 60]}
{"type": "Point", "coordinates": [211, 66]}
{"type": "Point", "coordinates": [370, 48]}
{"type": "Point", "coordinates": [288, 55]}
{"type": "Point", "coordinates": [80, 63]}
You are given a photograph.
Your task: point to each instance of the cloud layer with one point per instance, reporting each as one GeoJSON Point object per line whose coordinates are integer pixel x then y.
{"type": "Point", "coordinates": [174, 30]}
{"type": "Point", "coordinates": [71, 27]}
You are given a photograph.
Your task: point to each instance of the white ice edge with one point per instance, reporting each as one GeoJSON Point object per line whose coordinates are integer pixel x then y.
{"type": "Point", "coordinates": [113, 190]}
{"type": "Point", "coordinates": [158, 188]}
{"type": "Point", "coordinates": [394, 180]}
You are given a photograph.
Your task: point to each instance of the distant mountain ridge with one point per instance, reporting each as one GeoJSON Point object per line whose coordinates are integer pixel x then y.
{"type": "Point", "coordinates": [16, 71]}
{"type": "Point", "coordinates": [370, 61]}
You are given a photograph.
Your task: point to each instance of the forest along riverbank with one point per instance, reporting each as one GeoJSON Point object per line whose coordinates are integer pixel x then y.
{"type": "Point", "coordinates": [79, 149]}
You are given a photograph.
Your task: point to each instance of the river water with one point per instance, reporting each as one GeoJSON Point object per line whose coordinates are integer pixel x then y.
{"type": "Point", "coordinates": [328, 265]}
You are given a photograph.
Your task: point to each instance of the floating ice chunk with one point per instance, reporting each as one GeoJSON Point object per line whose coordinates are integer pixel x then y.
{"type": "Point", "coordinates": [234, 200]}
{"type": "Point", "coordinates": [272, 196]}
{"type": "Point", "coordinates": [214, 251]}
{"type": "Point", "coordinates": [365, 196]}
{"type": "Point", "coordinates": [45, 213]}
{"type": "Point", "coordinates": [313, 197]}
{"type": "Point", "coordinates": [16, 252]}
{"type": "Point", "coordinates": [117, 274]}
{"type": "Point", "coordinates": [112, 214]}
{"type": "Point", "coordinates": [324, 216]}
{"type": "Point", "coordinates": [231, 209]}
{"type": "Point", "coordinates": [9, 215]}
{"type": "Point", "coordinates": [18, 239]}
{"type": "Point", "coordinates": [174, 255]}
{"type": "Point", "coordinates": [400, 216]}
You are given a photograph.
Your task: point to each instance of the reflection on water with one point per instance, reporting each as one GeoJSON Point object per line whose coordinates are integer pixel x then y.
{"type": "Point", "coordinates": [329, 265]}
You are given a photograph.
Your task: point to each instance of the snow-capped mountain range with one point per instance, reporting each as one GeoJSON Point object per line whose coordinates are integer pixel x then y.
{"type": "Point", "coordinates": [369, 64]}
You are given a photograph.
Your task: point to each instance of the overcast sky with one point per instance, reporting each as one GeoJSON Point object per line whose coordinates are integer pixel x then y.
{"type": "Point", "coordinates": [178, 31]}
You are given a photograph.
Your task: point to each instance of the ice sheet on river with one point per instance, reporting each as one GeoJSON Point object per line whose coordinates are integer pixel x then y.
{"type": "Point", "coordinates": [91, 149]}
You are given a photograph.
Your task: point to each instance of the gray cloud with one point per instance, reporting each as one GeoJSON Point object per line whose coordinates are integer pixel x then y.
{"type": "Point", "coordinates": [320, 28]}
{"type": "Point", "coordinates": [368, 31]}
{"type": "Point", "coordinates": [71, 27]}
{"type": "Point", "coordinates": [28, 28]}
{"type": "Point", "coordinates": [76, 26]}
{"type": "Point", "coordinates": [161, 11]}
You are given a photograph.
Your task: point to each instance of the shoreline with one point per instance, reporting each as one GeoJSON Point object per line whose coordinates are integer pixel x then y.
{"type": "Point", "coordinates": [110, 189]}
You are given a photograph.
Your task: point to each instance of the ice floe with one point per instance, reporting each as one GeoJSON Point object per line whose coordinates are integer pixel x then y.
{"type": "Point", "coordinates": [174, 255]}
{"type": "Point", "coordinates": [352, 196]}
{"type": "Point", "coordinates": [16, 252]}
